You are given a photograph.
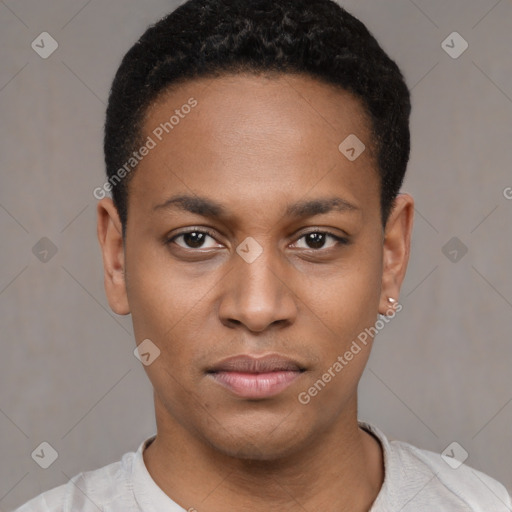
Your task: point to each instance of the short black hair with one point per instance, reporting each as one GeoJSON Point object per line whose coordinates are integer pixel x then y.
{"type": "Point", "coordinates": [209, 38]}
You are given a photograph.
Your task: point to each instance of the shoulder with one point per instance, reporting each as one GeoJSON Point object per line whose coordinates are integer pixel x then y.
{"type": "Point", "coordinates": [478, 491]}
{"type": "Point", "coordinates": [418, 479]}
{"type": "Point", "coordinates": [89, 491]}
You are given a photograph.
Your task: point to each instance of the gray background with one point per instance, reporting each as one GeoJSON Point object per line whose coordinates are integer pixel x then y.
{"type": "Point", "coordinates": [440, 372]}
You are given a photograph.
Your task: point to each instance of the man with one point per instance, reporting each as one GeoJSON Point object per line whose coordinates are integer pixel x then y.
{"type": "Point", "coordinates": [255, 151]}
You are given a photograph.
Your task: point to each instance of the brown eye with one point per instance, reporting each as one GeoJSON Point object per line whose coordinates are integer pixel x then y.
{"type": "Point", "coordinates": [193, 239]}
{"type": "Point", "coordinates": [316, 240]}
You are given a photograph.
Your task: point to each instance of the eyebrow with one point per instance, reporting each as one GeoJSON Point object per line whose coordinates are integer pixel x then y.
{"type": "Point", "coordinates": [208, 208]}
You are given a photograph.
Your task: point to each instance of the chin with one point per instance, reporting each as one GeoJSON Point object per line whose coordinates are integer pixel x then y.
{"type": "Point", "coordinates": [258, 441]}
{"type": "Point", "coordinates": [257, 451]}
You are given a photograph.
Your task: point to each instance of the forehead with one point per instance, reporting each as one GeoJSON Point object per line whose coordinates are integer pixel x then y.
{"type": "Point", "coordinates": [255, 106]}
{"type": "Point", "coordinates": [248, 131]}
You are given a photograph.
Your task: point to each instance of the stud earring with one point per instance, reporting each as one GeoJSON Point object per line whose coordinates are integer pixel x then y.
{"type": "Point", "coordinates": [392, 304]}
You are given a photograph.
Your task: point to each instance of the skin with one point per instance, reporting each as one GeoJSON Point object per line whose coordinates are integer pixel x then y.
{"type": "Point", "coordinates": [255, 145]}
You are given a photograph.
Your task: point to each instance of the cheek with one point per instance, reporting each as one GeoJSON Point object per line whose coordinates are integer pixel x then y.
{"type": "Point", "coordinates": [159, 292]}
{"type": "Point", "coordinates": [345, 301]}
{"type": "Point", "coordinates": [172, 308]}
{"type": "Point", "coordinates": [166, 312]}
{"type": "Point", "coordinates": [341, 310]}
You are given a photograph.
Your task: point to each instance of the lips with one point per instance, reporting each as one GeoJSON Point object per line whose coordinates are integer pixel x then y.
{"type": "Point", "coordinates": [252, 364]}
{"type": "Point", "coordinates": [256, 377]}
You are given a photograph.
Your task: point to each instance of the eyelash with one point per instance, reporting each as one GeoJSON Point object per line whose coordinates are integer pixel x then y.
{"type": "Point", "coordinates": [339, 240]}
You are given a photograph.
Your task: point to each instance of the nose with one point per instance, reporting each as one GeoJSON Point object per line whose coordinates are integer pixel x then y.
{"type": "Point", "coordinates": [258, 294]}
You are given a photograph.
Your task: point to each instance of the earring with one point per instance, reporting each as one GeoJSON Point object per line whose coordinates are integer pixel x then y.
{"type": "Point", "coordinates": [392, 304]}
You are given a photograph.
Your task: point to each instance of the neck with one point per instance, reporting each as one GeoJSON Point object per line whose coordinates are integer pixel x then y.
{"type": "Point", "coordinates": [340, 470]}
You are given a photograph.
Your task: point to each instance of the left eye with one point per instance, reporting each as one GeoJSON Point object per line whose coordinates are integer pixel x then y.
{"type": "Point", "coordinates": [316, 239]}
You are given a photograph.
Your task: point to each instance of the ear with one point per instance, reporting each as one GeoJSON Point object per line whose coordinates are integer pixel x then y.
{"type": "Point", "coordinates": [396, 249]}
{"type": "Point", "coordinates": [110, 236]}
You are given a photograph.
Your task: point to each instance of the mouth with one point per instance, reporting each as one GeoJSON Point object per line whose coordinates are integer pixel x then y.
{"type": "Point", "coordinates": [256, 377]}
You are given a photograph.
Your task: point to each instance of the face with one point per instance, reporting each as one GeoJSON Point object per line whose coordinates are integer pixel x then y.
{"type": "Point", "coordinates": [277, 250]}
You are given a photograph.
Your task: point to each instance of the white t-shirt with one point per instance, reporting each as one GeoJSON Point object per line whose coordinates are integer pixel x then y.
{"type": "Point", "coordinates": [415, 480]}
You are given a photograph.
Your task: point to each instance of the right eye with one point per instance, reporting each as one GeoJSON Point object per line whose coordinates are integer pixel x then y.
{"type": "Point", "coordinates": [193, 239]}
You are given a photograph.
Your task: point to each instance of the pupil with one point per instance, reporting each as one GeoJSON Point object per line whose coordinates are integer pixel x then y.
{"type": "Point", "coordinates": [316, 238]}
{"type": "Point", "coordinates": [194, 239]}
